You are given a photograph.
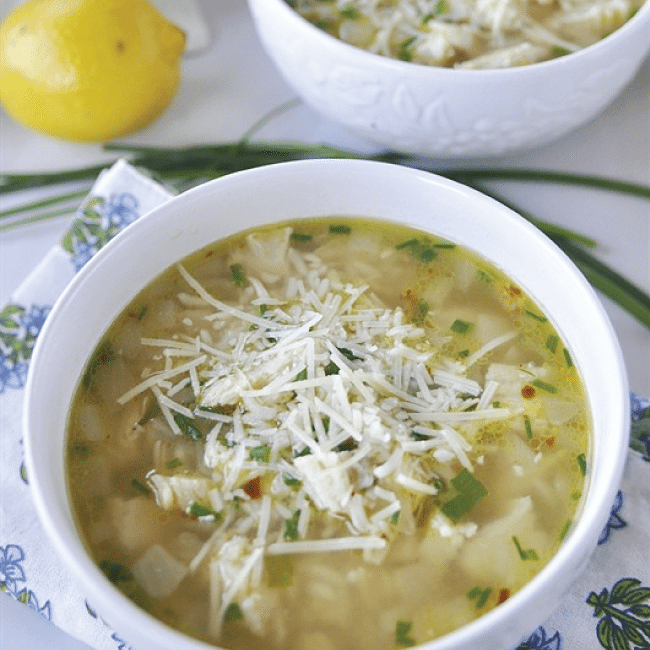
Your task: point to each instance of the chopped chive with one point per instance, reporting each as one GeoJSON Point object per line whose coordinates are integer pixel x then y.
{"type": "Point", "coordinates": [142, 313]}
{"type": "Point", "coordinates": [463, 354]}
{"type": "Point", "coordinates": [291, 481]}
{"type": "Point", "coordinates": [528, 427]}
{"type": "Point", "coordinates": [480, 595]}
{"type": "Point", "coordinates": [551, 342]}
{"type": "Point", "coordinates": [576, 494]}
{"type": "Point", "coordinates": [402, 634]}
{"type": "Point", "coordinates": [104, 355]}
{"type": "Point", "coordinates": [427, 255]}
{"type": "Point", "coordinates": [233, 613]}
{"type": "Point", "coordinates": [115, 571]}
{"type": "Point", "coordinates": [187, 427]}
{"type": "Point", "coordinates": [263, 309]}
{"type": "Point", "coordinates": [422, 310]}
{"type": "Point", "coordinates": [331, 369]}
{"type": "Point", "coordinates": [340, 229]}
{"type": "Point", "coordinates": [403, 53]}
{"type": "Point", "coordinates": [544, 385]}
{"type": "Point", "coordinates": [567, 358]}
{"type": "Point", "coordinates": [299, 236]}
{"type": "Point", "coordinates": [409, 243]}
{"type": "Point", "coordinates": [442, 7]}
{"type": "Point", "coordinates": [140, 487]}
{"type": "Point", "coordinates": [582, 463]}
{"type": "Point", "coordinates": [538, 317]}
{"type": "Point", "coordinates": [238, 275]}
{"type": "Point", "coordinates": [302, 375]}
{"type": "Point", "coordinates": [349, 12]}
{"type": "Point", "coordinates": [528, 554]}
{"type": "Point", "coordinates": [565, 529]}
{"type": "Point", "coordinates": [470, 492]}
{"type": "Point", "coordinates": [445, 246]}
{"type": "Point", "coordinates": [291, 527]}
{"type": "Point", "coordinates": [80, 449]}
{"type": "Point", "coordinates": [558, 50]}
{"type": "Point", "coordinates": [461, 326]}
{"type": "Point", "coordinates": [348, 354]}
{"type": "Point", "coordinates": [174, 463]}
{"type": "Point", "coordinates": [349, 444]}
{"type": "Point", "coordinates": [485, 594]}
{"type": "Point", "coordinates": [199, 510]}
{"type": "Point", "coordinates": [261, 454]}
{"type": "Point", "coordinates": [394, 520]}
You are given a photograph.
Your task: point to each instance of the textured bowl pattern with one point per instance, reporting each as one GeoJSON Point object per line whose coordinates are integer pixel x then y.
{"type": "Point", "coordinates": [445, 112]}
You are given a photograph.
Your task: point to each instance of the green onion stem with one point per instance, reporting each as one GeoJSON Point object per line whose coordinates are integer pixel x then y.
{"type": "Point", "coordinates": [546, 176]}
{"type": "Point", "coordinates": [602, 277]}
{"type": "Point", "coordinates": [182, 168]}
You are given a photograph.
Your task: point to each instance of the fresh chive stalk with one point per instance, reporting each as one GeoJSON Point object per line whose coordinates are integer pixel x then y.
{"type": "Point", "coordinates": [185, 167]}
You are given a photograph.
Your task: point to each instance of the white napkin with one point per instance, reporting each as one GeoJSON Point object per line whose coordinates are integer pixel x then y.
{"type": "Point", "coordinates": [609, 606]}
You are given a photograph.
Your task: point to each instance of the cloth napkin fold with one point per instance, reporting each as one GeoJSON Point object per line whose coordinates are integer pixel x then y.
{"type": "Point", "coordinates": [608, 607]}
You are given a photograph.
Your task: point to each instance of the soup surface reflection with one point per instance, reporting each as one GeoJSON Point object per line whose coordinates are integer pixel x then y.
{"type": "Point", "coordinates": [329, 433]}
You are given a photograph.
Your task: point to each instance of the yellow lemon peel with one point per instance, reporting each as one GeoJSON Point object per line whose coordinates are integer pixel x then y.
{"type": "Point", "coordinates": [88, 70]}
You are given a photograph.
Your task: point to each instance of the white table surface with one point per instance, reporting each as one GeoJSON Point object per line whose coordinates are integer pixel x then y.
{"type": "Point", "coordinates": [231, 84]}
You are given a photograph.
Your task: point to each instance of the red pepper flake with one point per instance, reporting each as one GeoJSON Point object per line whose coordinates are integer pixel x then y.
{"type": "Point", "coordinates": [528, 391]}
{"type": "Point", "coordinates": [504, 594]}
{"type": "Point", "coordinates": [253, 488]}
{"type": "Point", "coordinates": [550, 441]}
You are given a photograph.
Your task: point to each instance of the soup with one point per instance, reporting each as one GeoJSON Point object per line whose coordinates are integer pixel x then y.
{"type": "Point", "coordinates": [468, 33]}
{"type": "Point", "coordinates": [328, 433]}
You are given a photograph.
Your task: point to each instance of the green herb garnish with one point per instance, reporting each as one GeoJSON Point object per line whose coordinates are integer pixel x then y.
{"type": "Point", "coordinates": [479, 595]}
{"type": "Point", "coordinates": [470, 492]}
{"type": "Point", "coordinates": [188, 427]}
{"type": "Point", "coordinates": [403, 52]}
{"type": "Point", "coordinates": [402, 634]}
{"type": "Point", "coordinates": [299, 236]}
{"type": "Point", "coordinates": [115, 571]}
{"type": "Point", "coordinates": [460, 326]}
{"type": "Point", "coordinates": [233, 613]}
{"type": "Point", "coordinates": [291, 481]}
{"type": "Point", "coordinates": [528, 554]}
{"type": "Point", "coordinates": [200, 510]}
{"type": "Point", "coordinates": [567, 358]}
{"type": "Point", "coordinates": [442, 7]}
{"type": "Point", "coordinates": [238, 275]}
{"type": "Point", "coordinates": [340, 229]}
{"type": "Point", "coordinates": [140, 487]}
{"type": "Point", "coordinates": [349, 13]}
{"type": "Point", "coordinates": [565, 529]}
{"type": "Point", "coordinates": [552, 342]}
{"type": "Point", "coordinates": [261, 454]}
{"type": "Point", "coordinates": [536, 316]}
{"type": "Point", "coordinates": [544, 385]}
{"type": "Point", "coordinates": [174, 463]}
{"type": "Point", "coordinates": [582, 463]}
{"type": "Point", "coordinates": [528, 427]}
{"type": "Point", "coordinates": [291, 527]}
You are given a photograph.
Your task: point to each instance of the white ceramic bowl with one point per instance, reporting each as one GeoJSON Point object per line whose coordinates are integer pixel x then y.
{"type": "Point", "coordinates": [441, 111]}
{"type": "Point", "coordinates": [320, 188]}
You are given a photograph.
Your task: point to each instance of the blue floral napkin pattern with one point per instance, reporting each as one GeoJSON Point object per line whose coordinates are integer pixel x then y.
{"type": "Point", "coordinates": [608, 607]}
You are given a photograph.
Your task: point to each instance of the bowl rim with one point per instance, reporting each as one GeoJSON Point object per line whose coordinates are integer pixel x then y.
{"type": "Point", "coordinates": [399, 66]}
{"type": "Point", "coordinates": [87, 574]}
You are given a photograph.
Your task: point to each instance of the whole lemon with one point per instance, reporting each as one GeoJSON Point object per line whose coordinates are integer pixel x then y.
{"type": "Point", "coordinates": [88, 70]}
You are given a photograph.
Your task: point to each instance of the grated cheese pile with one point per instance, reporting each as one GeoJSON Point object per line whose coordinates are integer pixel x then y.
{"type": "Point", "coordinates": [331, 417]}
{"type": "Point", "coordinates": [469, 33]}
